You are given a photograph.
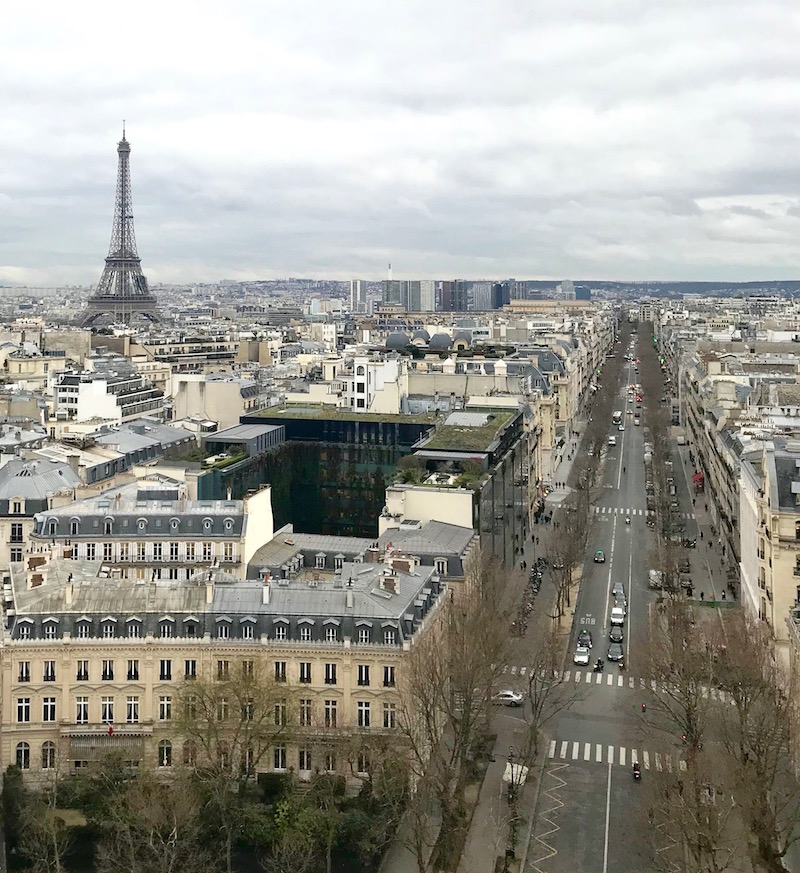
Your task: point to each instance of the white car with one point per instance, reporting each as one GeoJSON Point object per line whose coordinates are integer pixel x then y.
{"type": "Point", "coordinates": [507, 697]}
{"type": "Point", "coordinates": [582, 656]}
{"type": "Point", "coordinates": [622, 427]}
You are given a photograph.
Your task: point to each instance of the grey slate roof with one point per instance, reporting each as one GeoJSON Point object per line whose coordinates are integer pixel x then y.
{"type": "Point", "coordinates": [36, 479]}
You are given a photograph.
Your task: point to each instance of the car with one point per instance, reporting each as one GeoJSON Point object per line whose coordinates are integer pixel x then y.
{"type": "Point", "coordinates": [599, 557]}
{"type": "Point", "coordinates": [585, 638]}
{"type": "Point", "coordinates": [689, 543]}
{"type": "Point", "coordinates": [616, 634]}
{"type": "Point", "coordinates": [582, 656]}
{"type": "Point", "coordinates": [622, 427]}
{"type": "Point", "coordinates": [618, 590]}
{"type": "Point", "coordinates": [507, 697]}
{"type": "Point", "coordinates": [615, 652]}
{"type": "Point", "coordinates": [558, 563]}
{"type": "Point", "coordinates": [621, 603]}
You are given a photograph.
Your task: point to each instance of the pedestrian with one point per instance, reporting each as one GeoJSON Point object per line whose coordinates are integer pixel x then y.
{"type": "Point", "coordinates": [706, 507]}
{"type": "Point", "coordinates": [701, 534]}
{"type": "Point", "coordinates": [537, 541]}
{"type": "Point", "coordinates": [694, 502]}
{"type": "Point", "coordinates": [702, 595]}
{"type": "Point", "coordinates": [723, 593]}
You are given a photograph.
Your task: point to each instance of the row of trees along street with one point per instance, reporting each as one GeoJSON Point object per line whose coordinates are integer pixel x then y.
{"type": "Point", "coordinates": [567, 545]}
{"type": "Point", "coordinates": [732, 803]}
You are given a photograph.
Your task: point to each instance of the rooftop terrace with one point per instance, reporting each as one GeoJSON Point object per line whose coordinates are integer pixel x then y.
{"type": "Point", "coordinates": [323, 411]}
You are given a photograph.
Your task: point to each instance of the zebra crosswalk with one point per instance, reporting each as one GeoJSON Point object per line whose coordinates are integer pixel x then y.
{"type": "Point", "coordinates": [611, 680]}
{"type": "Point", "coordinates": [620, 756]}
{"type": "Point", "coordinates": [620, 510]}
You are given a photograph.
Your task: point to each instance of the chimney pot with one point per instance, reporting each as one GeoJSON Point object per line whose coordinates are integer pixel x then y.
{"type": "Point", "coordinates": [265, 592]}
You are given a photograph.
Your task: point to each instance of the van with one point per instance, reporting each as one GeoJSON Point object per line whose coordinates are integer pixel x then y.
{"type": "Point", "coordinates": [617, 616]}
{"type": "Point", "coordinates": [612, 440]}
{"type": "Point", "coordinates": [636, 420]}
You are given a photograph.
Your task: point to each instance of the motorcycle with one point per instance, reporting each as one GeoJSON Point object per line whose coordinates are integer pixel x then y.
{"type": "Point", "coordinates": [637, 773]}
{"type": "Point", "coordinates": [598, 667]}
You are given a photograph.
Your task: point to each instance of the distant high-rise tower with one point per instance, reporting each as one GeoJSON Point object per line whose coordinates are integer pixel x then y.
{"type": "Point", "coordinates": [122, 293]}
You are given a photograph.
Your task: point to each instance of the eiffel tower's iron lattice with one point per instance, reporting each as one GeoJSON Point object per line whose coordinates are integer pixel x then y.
{"type": "Point", "coordinates": [122, 293]}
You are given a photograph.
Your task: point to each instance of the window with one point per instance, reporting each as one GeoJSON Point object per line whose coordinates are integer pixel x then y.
{"type": "Point", "coordinates": [49, 671]}
{"type": "Point", "coordinates": [390, 715]}
{"type": "Point", "coordinates": [24, 674]}
{"type": "Point", "coordinates": [123, 551]}
{"type": "Point", "coordinates": [189, 753]}
{"type": "Point", "coordinates": [48, 709]}
{"type": "Point", "coordinates": [222, 709]}
{"type": "Point", "coordinates": [280, 632]}
{"type": "Point", "coordinates": [108, 630]}
{"type": "Point", "coordinates": [389, 636]}
{"type": "Point", "coordinates": [388, 677]}
{"type": "Point", "coordinates": [190, 669]}
{"type": "Point", "coordinates": [190, 629]}
{"type": "Point", "coordinates": [223, 631]}
{"type": "Point", "coordinates": [279, 758]}
{"type": "Point", "coordinates": [23, 709]}
{"type": "Point", "coordinates": [134, 630]}
{"type": "Point", "coordinates": [330, 713]}
{"type": "Point", "coordinates": [280, 671]}
{"type": "Point", "coordinates": [16, 507]}
{"type": "Point", "coordinates": [157, 550]}
{"type": "Point", "coordinates": [166, 630]}
{"type": "Point", "coordinates": [330, 674]}
{"type": "Point", "coordinates": [364, 635]}
{"type": "Point", "coordinates": [108, 671]}
{"type": "Point", "coordinates": [189, 551]}
{"type": "Point", "coordinates": [23, 756]}
{"type": "Point", "coordinates": [107, 710]}
{"type": "Point", "coordinates": [305, 712]}
{"type": "Point", "coordinates": [90, 551]}
{"type": "Point", "coordinates": [133, 670]}
{"type": "Point", "coordinates": [84, 630]}
{"type": "Point", "coordinates": [82, 710]}
{"type": "Point", "coordinates": [207, 552]}
{"type": "Point", "coordinates": [165, 708]}
{"type": "Point", "coordinates": [15, 555]}
{"type": "Point", "coordinates": [108, 527]}
{"type": "Point", "coordinates": [247, 631]}
{"type": "Point", "coordinates": [248, 709]}
{"type": "Point", "coordinates": [165, 753]}
{"type": "Point", "coordinates": [173, 551]}
{"type": "Point", "coordinates": [16, 532]}
{"type": "Point", "coordinates": [191, 707]}
{"type": "Point", "coordinates": [331, 634]}
{"type": "Point", "coordinates": [305, 633]}
{"type": "Point", "coordinates": [248, 669]}
{"type": "Point", "coordinates": [305, 672]}
{"type": "Point", "coordinates": [304, 759]}
{"type": "Point", "coordinates": [248, 760]}
{"type": "Point", "coordinates": [280, 713]}
{"type": "Point", "coordinates": [362, 763]}
{"type": "Point", "coordinates": [165, 670]}
{"type": "Point", "coordinates": [108, 551]}
{"type": "Point", "coordinates": [330, 762]}
{"type": "Point", "coordinates": [223, 669]}
{"type": "Point", "coordinates": [363, 713]}
{"type": "Point", "coordinates": [50, 630]}
{"type": "Point", "coordinates": [338, 561]}
{"type": "Point", "coordinates": [24, 631]}
{"type": "Point", "coordinates": [132, 710]}
{"type": "Point", "coordinates": [363, 675]}
{"type": "Point", "coordinates": [48, 756]}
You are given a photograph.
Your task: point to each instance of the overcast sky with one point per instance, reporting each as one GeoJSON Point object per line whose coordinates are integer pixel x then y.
{"type": "Point", "coordinates": [600, 139]}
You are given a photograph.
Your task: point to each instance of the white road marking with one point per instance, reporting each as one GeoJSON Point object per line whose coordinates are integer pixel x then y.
{"type": "Point", "coordinates": [575, 749]}
{"type": "Point", "coordinates": [522, 671]}
{"type": "Point", "coordinates": [598, 753]}
{"type": "Point", "coordinates": [658, 762]}
{"type": "Point", "coordinates": [552, 749]}
{"type": "Point", "coordinates": [610, 754]}
{"type": "Point", "coordinates": [513, 671]}
{"type": "Point", "coordinates": [587, 751]}
{"type": "Point", "coordinates": [622, 756]}
{"type": "Point", "coordinates": [566, 675]}
{"type": "Point", "coordinates": [646, 759]}
{"type": "Point", "coordinates": [682, 766]}
{"type": "Point", "coordinates": [588, 678]}
{"type": "Point", "coordinates": [599, 679]}
{"type": "Point", "coordinates": [564, 750]}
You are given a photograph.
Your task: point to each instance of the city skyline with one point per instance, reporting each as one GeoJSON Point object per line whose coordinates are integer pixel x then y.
{"type": "Point", "coordinates": [632, 143]}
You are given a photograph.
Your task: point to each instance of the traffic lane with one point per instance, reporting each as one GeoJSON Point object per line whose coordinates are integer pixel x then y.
{"type": "Point", "coordinates": [629, 835]}
{"type": "Point", "coordinates": [569, 835]}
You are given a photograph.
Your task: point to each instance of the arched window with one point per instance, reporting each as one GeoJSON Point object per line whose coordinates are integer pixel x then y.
{"type": "Point", "coordinates": [73, 528]}
{"type": "Point", "coordinates": [48, 756]}
{"type": "Point", "coordinates": [360, 370]}
{"type": "Point", "coordinates": [189, 753]}
{"type": "Point", "coordinates": [23, 756]}
{"type": "Point", "coordinates": [165, 753]}
{"type": "Point", "coordinates": [108, 527]}
{"type": "Point", "coordinates": [51, 527]}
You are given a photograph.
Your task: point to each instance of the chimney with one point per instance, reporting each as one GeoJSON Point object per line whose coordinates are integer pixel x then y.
{"type": "Point", "coordinates": [68, 591]}
{"type": "Point", "coordinates": [209, 591]}
{"type": "Point", "coordinates": [390, 584]}
{"type": "Point", "coordinates": [265, 592]}
{"type": "Point", "coordinates": [74, 461]}
{"type": "Point", "coordinates": [349, 600]}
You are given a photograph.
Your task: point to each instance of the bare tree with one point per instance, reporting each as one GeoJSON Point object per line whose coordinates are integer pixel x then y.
{"type": "Point", "coordinates": [46, 834]}
{"type": "Point", "coordinates": [228, 725]}
{"type": "Point", "coordinates": [446, 692]}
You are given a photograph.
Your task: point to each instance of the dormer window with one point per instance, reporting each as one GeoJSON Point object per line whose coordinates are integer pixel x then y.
{"type": "Point", "coordinates": [167, 628]}
{"type": "Point", "coordinates": [74, 527]}
{"type": "Point", "coordinates": [142, 524]}
{"type": "Point", "coordinates": [228, 524]}
{"type": "Point", "coordinates": [338, 561]}
{"type": "Point", "coordinates": [84, 629]}
{"type": "Point", "coordinates": [16, 507]}
{"type": "Point", "coordinates": [134, 628]}
{"type": "Point", "coordinates": [108, 527]}
{"type": "Point", "coordinates": [24, 631]}
{"type": "Point", "coordinates": [440, 565]}
{"type": "Point", "coordinates": [190, 627]}
{"type": "Point", "coordinates": [319, 561]}
{"type": "Point", "coordinates": [109, 630]}
{"type": "Point", "coordinates": [223, 628]}
{"type": "Point", "coordinates": [51, 527]}
{"type": "Point", "coordinates": [207, 524]}
{"type": "Point", "coordinates": [50, 629]}
{"type": "Point", "coordinates": [174, 523]}
{"type": "Point", "coordinates": [389, 636]}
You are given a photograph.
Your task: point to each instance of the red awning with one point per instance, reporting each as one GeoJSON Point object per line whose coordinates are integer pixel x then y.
{"type": "Point", "coordinates": [698, 477]}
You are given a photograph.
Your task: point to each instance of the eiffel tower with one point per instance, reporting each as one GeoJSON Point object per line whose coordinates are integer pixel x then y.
{"type": "Point", "coordinates": [122, 293]}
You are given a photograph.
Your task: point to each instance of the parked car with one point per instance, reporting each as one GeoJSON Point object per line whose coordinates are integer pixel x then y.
{"type": "Point", "coordinates": [616, 635]}
{"type": "Point", "coordinates": [689, 544]}
{"type": "Point", "coordinates": [507, 697]}
{"type": "Point", "coordinates": [618, 590]}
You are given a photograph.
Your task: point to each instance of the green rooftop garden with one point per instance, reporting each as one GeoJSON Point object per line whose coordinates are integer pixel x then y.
{"type": "Point", "coordinates": [469, 439]}
{"type": "Point", "coordinates": [301, 410]}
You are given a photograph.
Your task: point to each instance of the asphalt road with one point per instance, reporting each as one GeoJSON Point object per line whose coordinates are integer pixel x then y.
{"type": "Point", "coordinates": [590, 817]}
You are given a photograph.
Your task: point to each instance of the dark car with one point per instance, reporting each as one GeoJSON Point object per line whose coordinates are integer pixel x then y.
{"type": "Point", "coordinates": [585, 638]}
{"type": "Point", "coordinates": [684, 566]}
{"type": "Point", "coordinates": [689, 543]}
{"type": "Point", "coordinates": [616, 635]}
{"type": "Point", "coordinates": [615, 652]}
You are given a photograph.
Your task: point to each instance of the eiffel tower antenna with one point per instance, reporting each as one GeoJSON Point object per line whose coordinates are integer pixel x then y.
{"type": "Point", "coordinates": [122, 293]}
